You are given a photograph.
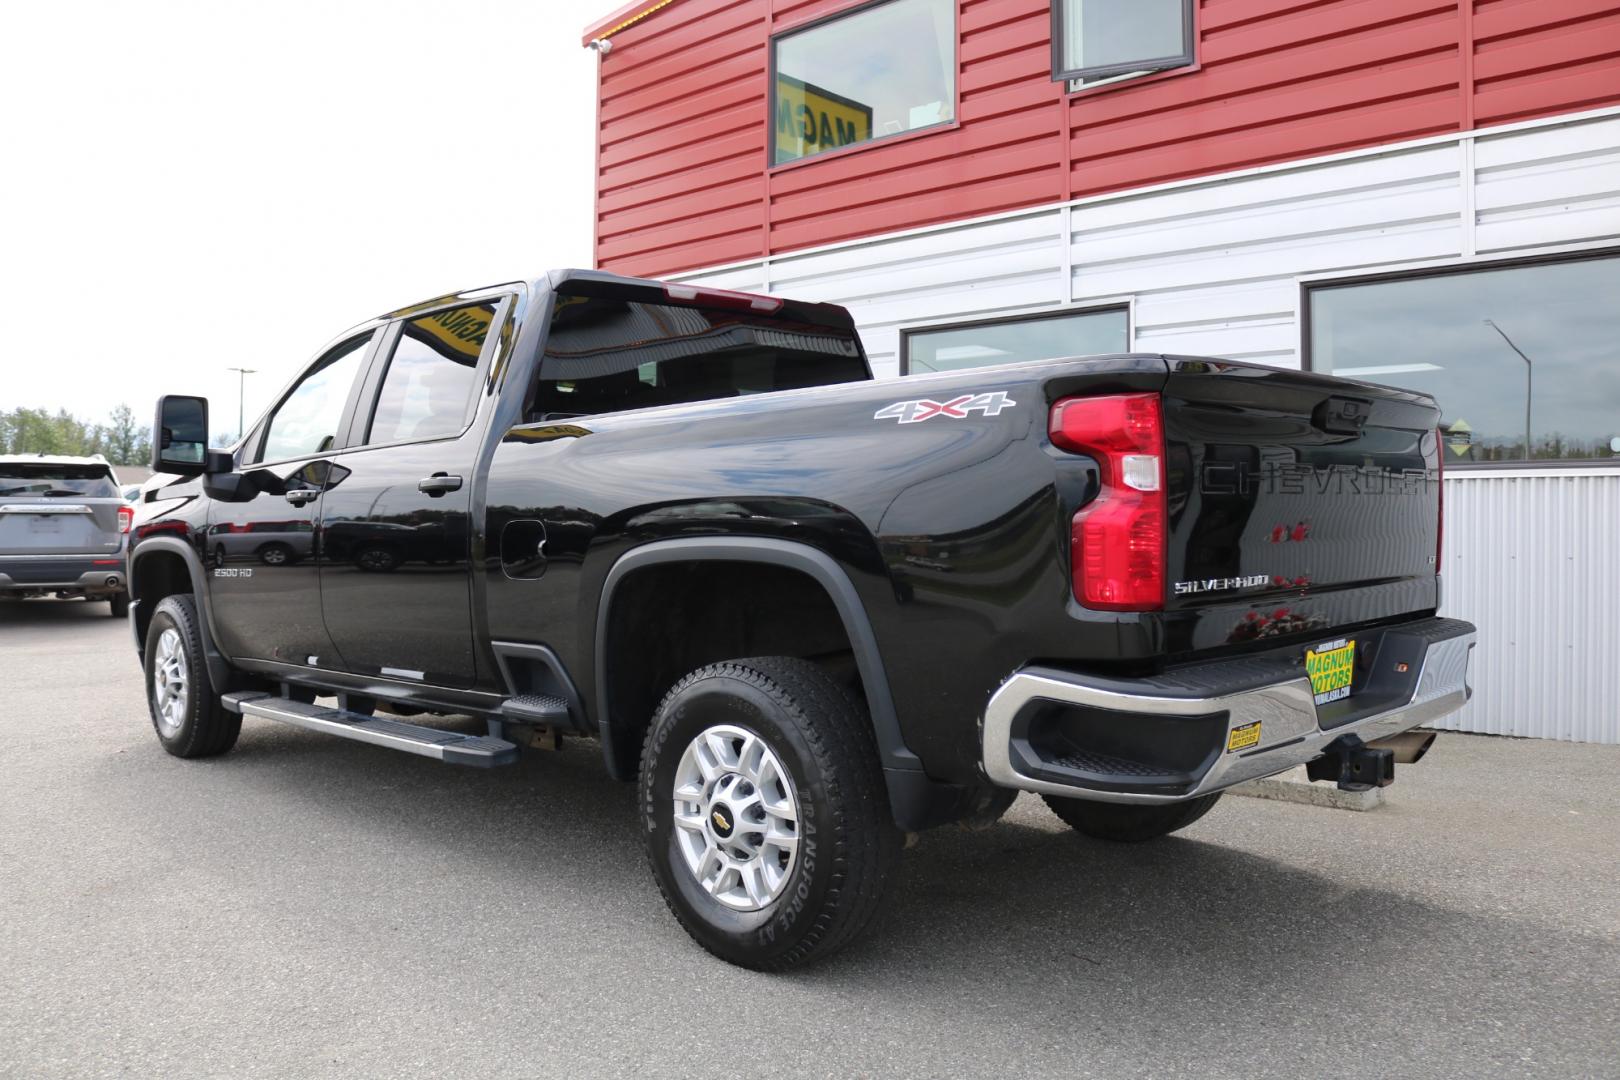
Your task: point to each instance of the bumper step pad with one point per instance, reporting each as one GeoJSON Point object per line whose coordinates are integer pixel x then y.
{"type": "Point", "coordinates": [451, 747]}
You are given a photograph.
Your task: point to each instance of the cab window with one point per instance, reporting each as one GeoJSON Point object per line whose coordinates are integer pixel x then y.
{"type": "Point", "coordinates": [610, 348]}
{"type": "Point", "coordinates": [431, 374]}
{"type": "Point", "coordinates": [307, 419]}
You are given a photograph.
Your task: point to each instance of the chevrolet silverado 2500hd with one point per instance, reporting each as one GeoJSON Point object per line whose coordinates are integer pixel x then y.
{"type": "Point", "coordinates": [803, 610]}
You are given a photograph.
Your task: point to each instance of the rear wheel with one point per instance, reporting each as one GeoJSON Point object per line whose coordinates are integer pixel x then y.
{"type": "Point", "coordinates": [764, 812]}
{"type": "Point", "coordinates": [186, 712]}
{"type": "Point", "coordinates": [1126, 823]}
{"type": "Point", "coordinates": [118, 604]}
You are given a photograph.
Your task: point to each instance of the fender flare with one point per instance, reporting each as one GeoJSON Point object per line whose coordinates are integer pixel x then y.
{"type": "Point", "coordinates": [892, 750]}
{"type": "Point", "coordinates": [219, 669]}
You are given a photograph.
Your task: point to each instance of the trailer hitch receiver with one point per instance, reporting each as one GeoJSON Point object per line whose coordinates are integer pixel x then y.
{"type": "Point", "coordinates": [1353, 765]}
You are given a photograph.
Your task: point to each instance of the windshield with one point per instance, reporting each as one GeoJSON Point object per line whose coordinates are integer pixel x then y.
{"type": "Point", "coordinates": [93, 481]}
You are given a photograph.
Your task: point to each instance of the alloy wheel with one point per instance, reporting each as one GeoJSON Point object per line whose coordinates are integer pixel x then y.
{"type": "Point", "coordinates": [170, 682]}
{"type": "Point", "coordinates": [736, 817]}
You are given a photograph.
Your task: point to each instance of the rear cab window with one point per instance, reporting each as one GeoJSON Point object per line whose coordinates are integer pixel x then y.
{"type": "Point", "coordinates": [613, 347]}
{"type": "Point", "coordinates": [47, 480]}
{"type": "Point", "coordinates": [427, 390]}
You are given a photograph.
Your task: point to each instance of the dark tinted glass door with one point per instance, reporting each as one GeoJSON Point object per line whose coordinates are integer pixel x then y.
{"type": "Point", "coordinates": [396, 572]}
{"type": "Point", "coordinates": [261, 541]}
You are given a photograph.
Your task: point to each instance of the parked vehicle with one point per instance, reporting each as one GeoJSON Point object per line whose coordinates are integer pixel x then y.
{"type": "Point", "coordinates": [63, 523]}
{"type": "Point", "coordinates": [803, 610]}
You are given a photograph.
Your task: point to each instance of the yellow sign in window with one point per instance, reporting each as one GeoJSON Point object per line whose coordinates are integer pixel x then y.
{"type": "Point", "coordinates": [810, 119]}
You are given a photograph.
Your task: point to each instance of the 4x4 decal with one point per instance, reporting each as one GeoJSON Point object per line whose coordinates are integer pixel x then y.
{"type": "Point", "coordinates": [914, 412]}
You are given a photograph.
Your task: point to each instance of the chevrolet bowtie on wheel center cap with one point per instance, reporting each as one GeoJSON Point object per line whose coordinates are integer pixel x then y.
{"type": "Point", "coordinates": [736, 817]}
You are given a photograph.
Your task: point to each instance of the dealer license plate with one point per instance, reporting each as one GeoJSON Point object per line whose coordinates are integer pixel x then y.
{"type": "Point", "coordinates": [1332, 668]}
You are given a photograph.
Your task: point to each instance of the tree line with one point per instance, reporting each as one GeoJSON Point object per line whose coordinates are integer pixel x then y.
{"type": "Point", "coordinates": [122, 439]}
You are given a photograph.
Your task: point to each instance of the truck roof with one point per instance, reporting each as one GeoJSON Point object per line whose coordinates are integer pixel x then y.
{"type": "Point", "coordinates": [808, 311]}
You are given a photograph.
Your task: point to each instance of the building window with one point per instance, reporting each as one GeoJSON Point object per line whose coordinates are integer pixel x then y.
{"type": "Point", "coordinates": [1092, 332]}
{"type": "Point", "coordinates": [881, 70]}
{"type": "Point", "coordinates": [1102, 40]}
{"type": "Point", "coordinates": [1521, 355]}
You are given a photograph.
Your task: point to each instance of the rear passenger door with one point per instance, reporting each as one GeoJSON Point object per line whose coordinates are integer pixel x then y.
{"type": "Point", "coordinates": [396, 534]}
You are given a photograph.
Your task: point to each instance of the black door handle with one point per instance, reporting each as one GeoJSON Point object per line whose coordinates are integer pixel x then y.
{"type": "Point", "coordinates": [438, 484]}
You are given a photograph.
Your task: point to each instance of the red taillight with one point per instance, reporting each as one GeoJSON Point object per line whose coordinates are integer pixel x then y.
{"type": "Point", "coordinates": [126, 518]}
{"type": "Point", "coordinates": [724, 298]}
{"type": "Point", "coordinates": [1117, 541]}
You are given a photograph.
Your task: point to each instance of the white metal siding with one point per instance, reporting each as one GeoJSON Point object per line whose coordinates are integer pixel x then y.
{"type": "Point", "coordinates": [1215, 267]}
{"type": "Point", "coordinates": [1532, 560]}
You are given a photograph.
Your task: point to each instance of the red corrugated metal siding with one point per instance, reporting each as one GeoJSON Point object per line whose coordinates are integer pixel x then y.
{"type": "Point", "coordinates": [682, 179]}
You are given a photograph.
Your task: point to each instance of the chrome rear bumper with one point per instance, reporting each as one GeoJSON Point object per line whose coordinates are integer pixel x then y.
{"type": "Point", "coordinates": [1285, 709]}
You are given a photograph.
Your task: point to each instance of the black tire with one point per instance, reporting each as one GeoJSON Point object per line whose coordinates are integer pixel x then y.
{"type": "Point", "coordinates": [118, 605]}
{"type": "Point", "coordinates": [205, 727]}
{"type": "Point", "coordinates": [848, 842]}
{"type": "Point", "coordinates": [1127, 824]}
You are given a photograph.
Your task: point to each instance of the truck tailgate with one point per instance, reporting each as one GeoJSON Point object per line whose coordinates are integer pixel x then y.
{"type": "Point", "coordinates": [1284, 485]}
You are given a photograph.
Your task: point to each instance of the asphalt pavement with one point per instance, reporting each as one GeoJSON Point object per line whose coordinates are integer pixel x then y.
{"type": "Point", "coordinates": [305, 907]}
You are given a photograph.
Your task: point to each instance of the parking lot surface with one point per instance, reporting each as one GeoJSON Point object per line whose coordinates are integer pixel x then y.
{"type": "Point", "coordinates": [306, 906]}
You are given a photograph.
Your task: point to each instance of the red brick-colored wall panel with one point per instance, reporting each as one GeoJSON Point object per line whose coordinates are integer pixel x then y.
{"type": "Point", "coordinates": [683, 180]}
{"type": "Point", "coordinates": [1526, 67]}
{"type": "Point", "coordinates": [719, 77]}
{"type": "Point", "coordinates": [738, 167]}
{"type": "Point", "coordinates": [1322, 134]}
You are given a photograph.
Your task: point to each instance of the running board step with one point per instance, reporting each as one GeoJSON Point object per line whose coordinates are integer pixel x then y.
{"type": "Point", "coordinates": [548, 709]}
{"type": "Point", "coordinates": [450, 747]}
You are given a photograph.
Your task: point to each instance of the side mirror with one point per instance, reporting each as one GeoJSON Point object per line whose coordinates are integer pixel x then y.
{"type": "Point", "coordinates": [180, 435]}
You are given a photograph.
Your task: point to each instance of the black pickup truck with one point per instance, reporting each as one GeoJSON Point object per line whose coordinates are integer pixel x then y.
{"type": "Point", "coordinates": [804, 611]}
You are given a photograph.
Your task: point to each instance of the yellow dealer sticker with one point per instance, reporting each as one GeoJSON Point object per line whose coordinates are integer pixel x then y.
{"type": "Point", "coordinates": [1243, 737]}
{"type": "Point", "coordinates": [1332, 667]}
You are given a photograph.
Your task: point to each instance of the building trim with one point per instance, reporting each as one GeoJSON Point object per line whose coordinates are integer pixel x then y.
{"type": "Point", "coordinates": [622, 19]}
{"type": "Point", "coordinates": [1448, 138]}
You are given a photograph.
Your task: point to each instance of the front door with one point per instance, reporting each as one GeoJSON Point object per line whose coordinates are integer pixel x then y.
{"type": "Point", "coordinates": [263, 587]}
{"type": "Point", "coordinates": [396, 534]}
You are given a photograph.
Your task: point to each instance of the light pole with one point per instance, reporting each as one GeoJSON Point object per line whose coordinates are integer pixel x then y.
{"type": "Point", "coordinates": [1529, 382]}
{"type": "Point", "coordinates": [241, 389]}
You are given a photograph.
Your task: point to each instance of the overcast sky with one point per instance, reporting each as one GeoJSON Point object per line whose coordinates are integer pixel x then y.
{"type": "Point", "coordinates": [191, 186]}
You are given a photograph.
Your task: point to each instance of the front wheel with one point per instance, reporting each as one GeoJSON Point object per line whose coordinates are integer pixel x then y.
{"type": "Point", "coordinates": [1127, 823]}
{"type": "Point", "coordinates": [186, 712]}
{"type": "Point", "coordinates": [764, 812]}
